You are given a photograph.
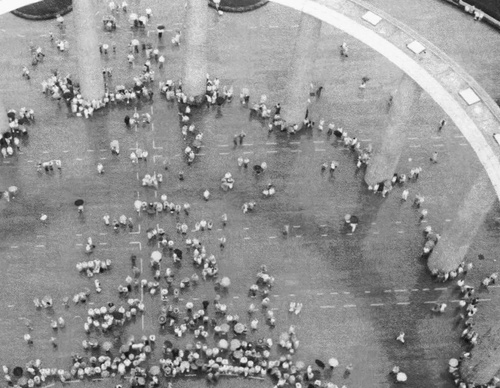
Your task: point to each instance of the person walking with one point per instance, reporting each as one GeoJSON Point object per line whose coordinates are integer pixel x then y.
{"type": "Point", "coordinates": [434, 157]}
{"type": "Point", "coordinates": [442, 123]}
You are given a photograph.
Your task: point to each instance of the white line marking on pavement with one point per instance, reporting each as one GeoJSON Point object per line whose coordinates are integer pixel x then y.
{"type": "Point", "coordinates": [291, 295]}
{"type": "Point", "coordinates": [464, 144]}
{"type": "Point", "coordinates": [273, 236]}
{"type": "Point", "coordinates": [40, 246]}
{"type": "Point", "coordinates": [484, 300]}
{"type": "Point", "coordinates": [447, 220]}
{"type": "Point", "coordinates": [324, 235]}
{"type": "Point", "coordinates": [401, 231]}
{"type": "Point", "coordinates": [397, 222]}
{"type": "Point", "coordinates": [136, 242]}
{"type": "Point", "coordinates": [334, 293]}
{"type": "Point", "coordinates": [415, 146]}
{"type": "Point", "coordinates": [349, 305]}
{"type": "Point", "coordinates": [271, 152]}
{"type": "Point", "coordinates": [425, 289]}
{"type": "Point", "coordinates": [14, 246]}
{"type": "Point", "coordinates": [326, 307]}
{"type": "Point", "coordinates": [296, 151]}
{"type": "Point", "coordinates": [246, 238]}
{"type": "Point", "coordinates": [415, 289]}
{"type": "Point", "coordinates": [376, 304]}
{"type": "Point", "coordinates": [103, 243]}
{"type": "Point", "coordinates": [346, 292]}
{"type": "Point", "coordinates": [223, 153]}
{"type": "Point", "coordinates": [247, 152]}
{"type": "Point", "coordinates": [387, 290]}
{"type": "Point", "coordinates": [430, 301]}
{"type": "Point", "coordinates": [440, 288]}
{"type": "Point", "coordinates": [320, 150]}
{"type": "Point", "coordinates": [403, 303]}
{"type": "Point", "coordinates": [413, 138]}
{"type": "Point", "coordinates": [320, 293]}
{"type": "Point", "coordinates": [271, 143]}
{"type": "Point", "coordinates": [139, 231]}
{"type": "Point", "coordinates": [65, 151]}
{"type": "Point", "coordinates": [247, 145]}
{"type": "Point", "coordinates": [223, 145]}
{"type": "Point", "coordinates": [78, 159]}
{"type": "Point", "coordinates": [400, 290]}
{"type": "Point", "coordinates": [367, 292]}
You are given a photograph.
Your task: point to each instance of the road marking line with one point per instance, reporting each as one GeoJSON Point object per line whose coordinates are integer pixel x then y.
{"type": "Point", "coordinates": [484, 300]}
{"type": "Point", "coordinates": [415, 146]}
{"type": "Point", "coordinates": [296, 151]}
{"type": "Point", "coordinates": [247, 152]}
{"type": "Point", "coordinates": [66, 151]}
{"type": "Point", "coordinates": [440, 288]}
{"type": "Point", "coordinates": [400, 290]}
{"type": "Point", "coordinates": [464, 144]}
{"type": "Point", "coordinates": [403, 303]}
{"type": "Point", "coordinates": [270, 143]}
{"type": "Point", "coordinates": [322, 226]}
{"type": "Point", "coordinates": [447, 220]}
{"type": "Point", "coordinates": [236, 297]}
{"type": "Point", "coordinates": [387, 290]}
{"type": "Point", "coordinates": [246, 238]}
{"type": "Point", "coordinates": [326, 307]}
{"type": "Point", "coordinates": [14, 246]}
{"type": "Point", "coordinates": [430, 301]}
{"type": "Point", "coordinates": [291, 294]}
{"type": "Point", "coordinates": [223, 145]}
{"type": "Point", "coordinates": [324, 235]}
{"type": "Point", "coordinates": [435, 137]}
{"type": "Point", "coordinates": [415, 289]}
{"type": "Point", "coordinates": [401, 231]}
{"type": "Point", "coordinates": [376, 304]}
{"type": "Point", "coordinates": [103, 158]}
{"type": "Point", "coordinates": [334, 293]}
{"type": "Point", "coordinates": [137, 242]}
{"type": "Point", "coordinates": [139, 231]}
{"type": "Point", "coordinates": [295, 226]}
{"type": "Point", "coordinates": [273, 26]}
{"type": "Point", "coordinates": [413, 138]}
{"type": "Point", "coordinates": [271, 152]}
{"type": "Point", "coordinates": [79, 245]}
{"type": "Point", "coordinates": [367, 292]}
{"type": "Point", "coordinates": [299, 235]}
{"type": "Point", "coordinates": [90, 150]}
{"type": "Point", "coordinates": [273, 236]}
{"type": "Point", "coordinates": [39, 236]}
{"type": "Point", "coordinates": [247, 145]}
{"type": "Point", "coordinates": [346, 292]}
{"type": "Point", "coordinates": [375, 232]}
{"type": "Point", "coordinates": [78, 159]}
{"type": "Point", "coordinates": [102, 234]}
{"type": "Point", "coordinates": [349, 305]}
{"type": "Point", "coordinates": [425, 289]}
{"type": "Point", "coordinates": [365, 139]}
{"type": "Point", "coordinates": [438, 145]}
{"type": "Point", "coordinates": [223, 153]}
{"type": "Point", "coordinates": [320, 293]}
{"type": "Point", "coordinates": [320, 150]}
{"type": "Point", "coordinates": [398, 222]}
{"type": "Point", "coordinates": [276, 295]}
{"type": "Point", "coordinates": [40, 246]}
{"type": "Point", "coordinates": [294, 142]}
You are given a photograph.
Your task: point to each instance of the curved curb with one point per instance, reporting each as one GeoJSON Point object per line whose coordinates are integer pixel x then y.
{"type": "Point", "coordinates": [240, 9]}
{"type": "Point", "coordinates": [46, 16]}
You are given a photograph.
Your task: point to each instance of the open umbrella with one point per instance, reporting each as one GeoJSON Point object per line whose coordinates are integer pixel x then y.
{"type": "Point", "coordinates": [135, 42]}
{"type": "Point", "coordinates": [223, 344]}
{"type": "Point", "coordinates": [333, 362]}
{"type": "Point", "coordinates": [401, 377]}
{"type": "Point", "coordinates": [453, 362]}
{"type": "Point", "coordinates": [258, 169]}
{"type": "Point", "coordinates": [137, 205]}
{"type": "Point", "coordinates": [235, 344]}
{"type": "Point", "coordinates": [133, 16]}
{"type": "Point", "coordinates": [156, 256]}
{"type": "Point", "coordinates": [197, 143]}
{"type": "Point", "coordinates": [17, 371]}
{"type": "Point", "coordinates": [225, 282]}
{"type": "Point", "coordinates": [143, 19]}
{"type": "Point", "coordinates": [107, 346]}
{"type": "Point", "coordinates": [168, 344]}
{"type": "Point", "coordinates": [220, 100]}
{"type": "Point", "coordinates": [238, 354]}
{"type": "Point", "coordinates": [117, 315]}
{"type": "Point", "coordinates": [300, 365]}
{"type": "Point", "coordinates": [114, 144]}
{"type": "Point", "coordinates": [162, 319]}
{"type": "Point", "coordinates": [347, 218]}
{"type": "Point", "coordinates": [224, 328]}
{"type": "Point", "coordinates": [178, 252]}
{"type": "Point", "coordinates": [354, 220]}
{"type": "Point", "coordinates": [13, 190]}
{"type": "Point", "coordinates": [79, 202]}
{"type": "Point", "coordinates": [320, 363]}
{"type": "Point", "coordinates": [22, 382]}
{"type": "Point", "coordinates": [160, 27]}
{"type": "Point", "coordinates": [154, 370]}
{"type": "Point", "coordinates": [239, 328]}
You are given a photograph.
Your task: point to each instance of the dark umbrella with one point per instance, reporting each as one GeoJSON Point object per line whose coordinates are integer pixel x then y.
{"type": "Point", "coordinates": [117, 315]}
{"type": "Point", "coordinates": [354, 220]}
{"type": "Point", "coordinates": [6, 135]}
{"type": "Point", "coordinates": [168, 344]}
{"type": "Point", "coordinates": [18, 371]}
{"type": "Point", "coordinates": [320, 363]}
{"type": "Point", "coordinates": [178, 252]}
{"type": "Point", "coordinates": [258, 169]}
{"type": "Point", "coordinates": [79, 202]}
{"type": "Point", "coordinates": [11, 115]}
{"type": "Point", "coordinates": [220, 100]}
{"type": "Point", "coordinates": [160, 27]}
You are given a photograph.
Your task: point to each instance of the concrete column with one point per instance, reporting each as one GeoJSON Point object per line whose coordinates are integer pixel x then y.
{"type": "Point", "coordinates": [195, 44]}
{"type": "Point", "coordinates": [300, 71]}
{"type": "Point", "coordinates": [4, 121]}
{"type": "Point", "coordinates": [87, 44]}
{"type": "Point", "coordinates": [485, 361]}
{"type": "Point", "coordinates": [385, 160]}
{"type": "Point", "coordinates": [459, 234]}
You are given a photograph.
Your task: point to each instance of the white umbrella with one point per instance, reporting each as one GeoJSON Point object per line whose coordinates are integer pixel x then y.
{"type": "Point", "coordinates": [401, 377]}
{"type": "Point", "coordinates": [156, 256]}
{"type": "Point", "coordinates": [453, 362]}
{"type": "Point", "coordinates": [137, 205]}
{"type": "Point", "coordinates": [133, 16]}
{"type": "Point", "coordinates": [225, 282]}
{"type": "Point", "coordinates": [143, 19]}
{"type": "Point", "coordinates": [333, 362]}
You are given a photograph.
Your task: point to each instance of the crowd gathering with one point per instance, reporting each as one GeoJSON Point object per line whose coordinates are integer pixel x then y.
{"type": "Point", "coordinates": [220, 346]}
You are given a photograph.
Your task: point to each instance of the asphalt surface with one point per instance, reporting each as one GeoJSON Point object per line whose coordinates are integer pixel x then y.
{"type": "Point", "coordinates": [359, 290]}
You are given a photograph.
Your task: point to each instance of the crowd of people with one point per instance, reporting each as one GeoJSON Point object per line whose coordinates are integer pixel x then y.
{"type": "Point", "coordinates": [230, 353]}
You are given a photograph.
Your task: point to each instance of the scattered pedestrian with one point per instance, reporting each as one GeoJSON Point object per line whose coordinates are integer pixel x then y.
{"type": "Point", "coordinates": [442, 123]}
{"type": "Point", "coordinates": [434, 157]}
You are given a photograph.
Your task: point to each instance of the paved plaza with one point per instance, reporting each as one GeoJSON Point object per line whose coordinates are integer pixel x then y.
{"type": "Point", "coordinates": [359, 290]}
